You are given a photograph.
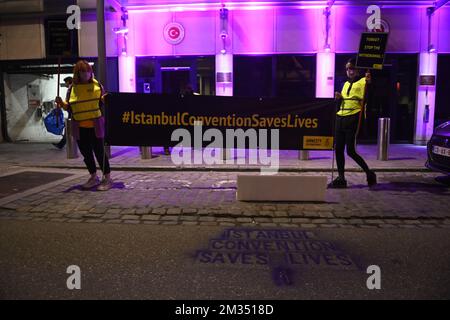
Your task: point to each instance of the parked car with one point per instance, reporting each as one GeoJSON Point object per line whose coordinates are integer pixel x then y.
{"type": "Point", "coordinates": [438, 149]}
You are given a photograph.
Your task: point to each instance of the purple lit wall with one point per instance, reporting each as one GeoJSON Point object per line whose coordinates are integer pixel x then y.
{"type": "Point", "coordinates": [253, 32]}
{"type": "Point", "coordinates": [146, 38]}
{"type": "Point", "coordinates": [325, 57]}
{"type": "Point", "coordinates": [269, 30]}
{"type": "Point", "coordinates": [224, 63]}
{"type": "Point", "coordinates": [443, 25]}
{"type": "Point", "coordinates": [426, 95]}
{"type": "Point", "coordinates": [279, 30]}
{"type": "Point", "coordinates": [146, 33]}
{"type": "Point", "coordinates": [127, 71]}
{"type": "Point", "coordinates": [200, 30]}
{"type": "Point", "coordinates": [298, 30]}
{"type": "Point", "coordinates": [266, 29]}
{"type": "Point", "coordinates": [325, 75]}
{"type": "Point", "coordinates": [405, 28]}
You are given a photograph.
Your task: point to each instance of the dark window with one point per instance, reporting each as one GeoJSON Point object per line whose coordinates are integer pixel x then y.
{"type": "Point", "coordinates": [112, 74]}
{"type": "Point", "coordinates": [206, 82]}
{"type": "Point", "coordinates": [295, 76]}
{"type": "Point", "coordinates": [274, 76]}
{"type": "Point", "coordinates": [252, 76]}
{"type": "Point", "coordinates": [405, 67]}
{"type": "Point", "coordinates": [145, 75]}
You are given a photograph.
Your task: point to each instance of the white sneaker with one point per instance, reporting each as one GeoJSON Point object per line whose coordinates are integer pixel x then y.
{"type": "Point", "coordinates": [92, 182]}
{"type": "Point", "coordinates": [105, 185]}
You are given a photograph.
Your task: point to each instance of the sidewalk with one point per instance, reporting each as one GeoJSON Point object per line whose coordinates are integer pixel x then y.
{"type": "Point", "coordinates": [205, 198]}
{"type": "Point", "coordinates": [403, 157]}
{"type": "Point", "coordinates": [155, 191]}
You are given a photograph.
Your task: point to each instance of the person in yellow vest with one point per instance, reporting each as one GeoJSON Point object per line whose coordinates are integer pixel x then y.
{"type": "Point", "coordinates": [348, 120]}
{"type": "Point", "coordinates": [85, 100]}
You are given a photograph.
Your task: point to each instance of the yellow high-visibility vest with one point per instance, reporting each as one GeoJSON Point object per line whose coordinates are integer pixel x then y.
{"type": "Point", "coordinates": [352, 100]}
{"type": "Point", "coordinates": [84, 101]}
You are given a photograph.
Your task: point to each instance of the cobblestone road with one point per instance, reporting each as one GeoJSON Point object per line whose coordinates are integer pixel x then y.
{"type": "Point", "coordinates": [406, 199]}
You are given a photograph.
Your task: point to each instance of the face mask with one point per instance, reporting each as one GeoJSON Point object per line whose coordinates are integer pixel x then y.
{"type": "Point", "coordinates": [351, 73]}
{"type": "Point", "coordinates": [85, 76]}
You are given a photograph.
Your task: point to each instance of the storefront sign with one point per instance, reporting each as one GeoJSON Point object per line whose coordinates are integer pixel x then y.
{"type": "Point", "coordinates": [324, 143]}
{"type": "Point", "coordinates": [372, 49]}
{"type": "Point", "coordinates": [224, 77]}
{"type": "Point", "coordinates": [174, 33]}
{"type": "Point", "coordinates": [427, 80]}
{"type": "Point", "coordinates": [150, 119]}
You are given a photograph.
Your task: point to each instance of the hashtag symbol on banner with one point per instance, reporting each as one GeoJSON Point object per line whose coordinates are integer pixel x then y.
{"type": "Point", "coordinates": [126, 117]}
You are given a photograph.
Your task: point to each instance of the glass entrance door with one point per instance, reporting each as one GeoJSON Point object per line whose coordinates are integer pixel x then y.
{"type": "Point", "coordinates": [174, 80]}
{"type": "Point", "coordinates": [173, 74]}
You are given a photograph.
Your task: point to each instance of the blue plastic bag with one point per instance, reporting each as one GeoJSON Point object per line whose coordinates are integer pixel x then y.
{"type": "Point", "coordinates": [54, 122]}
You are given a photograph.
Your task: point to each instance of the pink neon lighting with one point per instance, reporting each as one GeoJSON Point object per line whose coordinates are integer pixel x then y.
{"type": "Point", "coordinates": [127, 65]}
{"type": "Point", "coordinates": [325, 75]}
{"type": "Point", "coordinates": [426, 96]}
{"type": "Point", "coordinates": [253, 32]}
{"type": "Point", "coordinates": [208, 6]}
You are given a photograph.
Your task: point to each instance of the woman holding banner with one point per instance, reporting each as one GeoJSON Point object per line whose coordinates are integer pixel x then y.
{"type": "Point", "coordinates": [348, 121]}
{"type": "Point", "coordinates": [85, 100]}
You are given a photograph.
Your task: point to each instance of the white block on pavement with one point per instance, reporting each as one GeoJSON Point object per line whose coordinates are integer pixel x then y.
{"type": "Point", "coordinates": [281, 188]}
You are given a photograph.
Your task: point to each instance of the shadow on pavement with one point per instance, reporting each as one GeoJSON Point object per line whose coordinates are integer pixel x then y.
{"type": "Point", "coordinates": [121, 152]}
{"type": "Point", "coordinates": [402, 158]}
{"type": "Point", "coordinates": [320, 158]}
{"type": "Point", "coordinates": [291, 202]}
{"type": "Point", "coordinates": [445, 180]}
{"type": "Point", "coordinates": [410, 187]}
{"type": "Point", "coordinates": [116, 185]}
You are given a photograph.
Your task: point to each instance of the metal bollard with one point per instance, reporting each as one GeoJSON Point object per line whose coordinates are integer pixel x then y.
{"type": "Point", "coordinates": [384, 128]}
{"type": "Point", "coordinates": [303, 155]}
{"type": "Point", "coordinates": [72, 148]}
{"type": "Point", "coordinates": [146, 152]}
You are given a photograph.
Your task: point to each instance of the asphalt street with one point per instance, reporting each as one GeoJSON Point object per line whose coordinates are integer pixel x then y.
{"type": "Point", "coordinates": [206, 262]}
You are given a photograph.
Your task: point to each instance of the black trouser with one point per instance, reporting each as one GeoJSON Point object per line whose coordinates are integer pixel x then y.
{"type": "Point", "coordinates": [89, 145]}
{"type": "Point", "coordinates": [346, 128]}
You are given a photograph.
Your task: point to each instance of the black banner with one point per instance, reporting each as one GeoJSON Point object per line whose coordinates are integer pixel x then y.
{"type": "Point", "coordinates": [134, 119]}
{"type": "Point", "coordinates": [371, 50]}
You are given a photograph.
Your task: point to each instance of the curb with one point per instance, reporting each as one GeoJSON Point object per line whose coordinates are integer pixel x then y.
{"type": "Point", "coordinates": [238, 169]}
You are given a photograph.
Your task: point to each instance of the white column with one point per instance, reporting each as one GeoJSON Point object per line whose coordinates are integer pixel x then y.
{"type": "Point", "coordinates": [426, 95]}
{"type": "Point", "coordinates": [127, 73]}
{"type": "Point", "coordinates": [224, 74]}
{"type": "Point", "coordinates": [224, 84]}
{"type": "Point", "coordinates": [325, 74]}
